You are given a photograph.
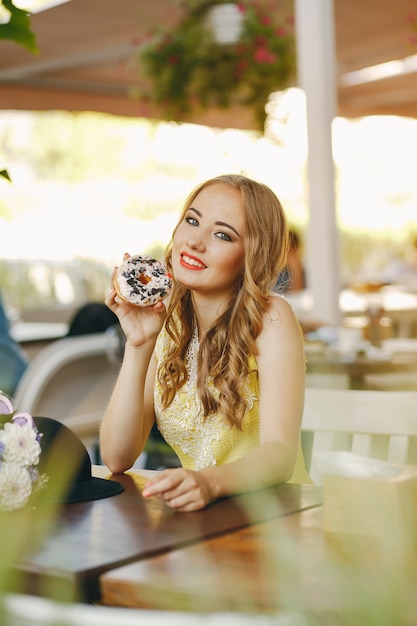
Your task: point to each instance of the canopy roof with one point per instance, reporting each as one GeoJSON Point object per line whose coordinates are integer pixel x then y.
{"type": "Point", "coordinates": [87, 47]}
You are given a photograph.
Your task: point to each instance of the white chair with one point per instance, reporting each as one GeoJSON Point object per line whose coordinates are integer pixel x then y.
{"type": "Point", "coordinates": [21, 610]}
{"type": "Point", "coordinates": [377, 424]}
{"type": "Point", "coordinates": [71, 380]}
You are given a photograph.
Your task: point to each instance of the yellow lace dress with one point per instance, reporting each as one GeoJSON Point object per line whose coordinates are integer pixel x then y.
{"type": "Point", "coordinates": [200, 442]}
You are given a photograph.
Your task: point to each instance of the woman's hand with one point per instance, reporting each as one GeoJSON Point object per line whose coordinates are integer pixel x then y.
{"type": "Point", "coordinates": [139, 324]}
{"type": "Point", "coordinates": [181, 489]}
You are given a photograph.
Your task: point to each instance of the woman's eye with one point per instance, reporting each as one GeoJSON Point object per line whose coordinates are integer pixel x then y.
{"type": "Point", "coordinates": [224, 236]}
{"type": "Point", "coordinates": [192, 221]}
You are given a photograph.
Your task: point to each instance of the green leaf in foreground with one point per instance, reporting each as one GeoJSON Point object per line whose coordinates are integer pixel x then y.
{"type": "Point", "coordinates": [18, 28]}
{"type": "Point", "coordinates": [5, 174]}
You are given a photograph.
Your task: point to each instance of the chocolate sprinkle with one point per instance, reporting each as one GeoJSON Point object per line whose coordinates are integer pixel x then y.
{"type": "Point", "coordinates": [135, 289]}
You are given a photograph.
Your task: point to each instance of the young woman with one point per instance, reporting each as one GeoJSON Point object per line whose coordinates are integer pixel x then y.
{"type": "Point", "coordinates": [221, 369]}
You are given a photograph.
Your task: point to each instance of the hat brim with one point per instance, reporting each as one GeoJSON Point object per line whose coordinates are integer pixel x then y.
{"type": "Point", "coordinates": [63, 492]}
{"type": "Point", "coordinates": [66, 465]}
{"type": "Point", "coordinates": [92, 489]}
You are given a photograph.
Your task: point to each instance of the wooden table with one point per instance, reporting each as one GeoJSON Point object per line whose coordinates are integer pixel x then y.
{"type": "Point", "coordinates": [250, 569]}
{"type": "Point", "coordinates": [91, 538]}
{"type": "Point", "coordinates": [284, 565]}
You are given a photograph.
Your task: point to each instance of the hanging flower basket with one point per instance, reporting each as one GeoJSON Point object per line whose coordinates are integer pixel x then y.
{"type": "Point", "coordinates": [193, 67]}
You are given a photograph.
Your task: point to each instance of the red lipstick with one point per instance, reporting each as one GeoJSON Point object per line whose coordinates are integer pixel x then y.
{"type": "Point", "coordinates": [191, 262]}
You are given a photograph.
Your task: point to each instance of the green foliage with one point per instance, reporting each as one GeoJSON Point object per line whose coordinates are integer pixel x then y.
{"type": "Point", "coordinates": [146, 208]}
{"type": "Point", "coordinates": [20, 282]}
{"type": "Point", "coordinates": [18, 28]}
{"type": "Point", "coordinates": [156, 250]}
{"type": "Point", "coordinates": [3, 210]}
{"type": "Point", "coordinates": [75, 147]}
{"type": "Point", "coordinates": [66, 146]}
{"type": "Point", "coordinates": [188, 70]}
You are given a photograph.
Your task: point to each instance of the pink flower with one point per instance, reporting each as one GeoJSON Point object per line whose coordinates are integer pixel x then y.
{"type": "Point", "coordinates": [23, 419]}
{"type": "Point", "coordinates": [281, 32]}
{"type": "Point", "coordinates": [6, 406]}
{"type": "Point", "coordinates": [263, 55]}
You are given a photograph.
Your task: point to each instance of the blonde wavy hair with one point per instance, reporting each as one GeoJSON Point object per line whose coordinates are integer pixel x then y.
{"type": "Point", "coordinates": [226, 347]}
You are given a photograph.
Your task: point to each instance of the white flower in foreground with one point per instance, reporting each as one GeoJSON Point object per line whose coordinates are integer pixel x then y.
{"type": "Point", "coordinates": [21, 444]}
{"type": "Point", "coordinates": [15, 486]}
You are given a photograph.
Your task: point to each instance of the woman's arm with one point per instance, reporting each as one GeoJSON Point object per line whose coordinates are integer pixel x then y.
{"type": "Point", "coordinates": [129, 415]}
{"type": "Point", "coordinates": [281, 367]}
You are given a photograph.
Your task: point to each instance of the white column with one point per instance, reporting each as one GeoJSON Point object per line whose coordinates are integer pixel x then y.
{"type": "Point", "coordinates": [316, 77]}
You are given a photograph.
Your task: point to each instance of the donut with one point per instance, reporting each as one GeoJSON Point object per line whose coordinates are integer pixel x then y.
{"type": "Point", "coordinates": [142, 280]}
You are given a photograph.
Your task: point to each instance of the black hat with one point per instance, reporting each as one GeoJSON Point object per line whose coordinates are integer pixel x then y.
{"type": "Point", "coordinates": [65, 462]}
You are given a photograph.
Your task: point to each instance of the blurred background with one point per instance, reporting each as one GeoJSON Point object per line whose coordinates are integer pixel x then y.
{"type": "Point", "coordinates": [88, 185]}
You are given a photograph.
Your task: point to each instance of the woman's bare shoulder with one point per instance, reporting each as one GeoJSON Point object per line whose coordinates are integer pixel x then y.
{"type": "Point", "coordinates": [281, 328]}
{"type": "Point", "coordinates": [279, 309]}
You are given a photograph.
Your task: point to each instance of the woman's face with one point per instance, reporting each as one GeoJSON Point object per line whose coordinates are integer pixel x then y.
{"type": "Point", "coordinates": [208, 246]}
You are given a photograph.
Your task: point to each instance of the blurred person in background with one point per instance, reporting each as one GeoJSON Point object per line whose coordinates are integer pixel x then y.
{"type": "Point", "coordinates": [13, 361]}
{"type": "Point", "coordinates": [292, 278]}
{"type": "Point", "coordinates": [90, 318]}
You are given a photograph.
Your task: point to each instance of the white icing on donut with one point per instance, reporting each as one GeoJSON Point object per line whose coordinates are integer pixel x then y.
{"type": "Point", "coordinates": [142, 280]}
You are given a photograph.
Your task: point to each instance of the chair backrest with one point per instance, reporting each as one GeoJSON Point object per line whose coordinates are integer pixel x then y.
{"type": "Point", "coordinates": [25, 610]}
{"type": "Point", "coordinates": [377, 424]}
{"type": "Point", "coordinates": [71, 380]}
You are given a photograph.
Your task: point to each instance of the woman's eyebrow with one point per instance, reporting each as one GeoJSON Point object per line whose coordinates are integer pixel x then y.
{"type": "Point", "coordinates": [228, 226]}
{"type": "Point", "coordinates": [217, 223]}
{"type": "Point", "coordinates": [191, 208]}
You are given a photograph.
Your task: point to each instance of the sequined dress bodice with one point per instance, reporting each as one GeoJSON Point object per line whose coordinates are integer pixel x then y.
{"type": "Point", "coordinates": [199, 442]}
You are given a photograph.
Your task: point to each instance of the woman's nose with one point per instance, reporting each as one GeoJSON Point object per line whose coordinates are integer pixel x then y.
{"type": "Point", "coordinates": [195, 242]}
